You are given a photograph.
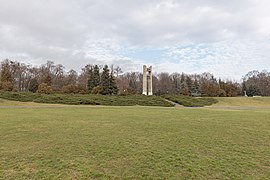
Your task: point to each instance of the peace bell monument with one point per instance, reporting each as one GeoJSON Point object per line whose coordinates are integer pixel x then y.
{"type": "Point", "coordinates": [147, 81]}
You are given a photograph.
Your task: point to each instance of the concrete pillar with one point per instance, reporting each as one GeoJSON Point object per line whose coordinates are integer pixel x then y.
{"type": "Point", "coordinates": [150, 80]}
{"type": "Point", "coordinates": [147, 81]}
{"type": "Point", "coordinates": [144, 80]}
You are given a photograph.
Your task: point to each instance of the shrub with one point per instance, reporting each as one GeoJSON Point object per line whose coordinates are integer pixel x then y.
{"type": "Point", "coordinates": [253, 91]}
{"type": "Point", "coordinates": [77, 99]}
{"type": "Point", "coordinates": [6, 86]}
{"type": "Point", "coordinates": [68, 89]}
{"type": "Point", "coordinates": [127, 92]}
{"type": "Point", "coordinates": [73, 89]}
{"type": "Point", "coordinates": [44, 89]}
{"type": "Point", "coordinates": [33, 85]}
{"type": "Point", "coordinates": [222, 93]}
{"type": "Point", "coordinates": [97, 90]}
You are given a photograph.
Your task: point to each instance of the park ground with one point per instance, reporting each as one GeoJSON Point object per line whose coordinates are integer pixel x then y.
{"type": "Point", "coordinates": [228, 140]}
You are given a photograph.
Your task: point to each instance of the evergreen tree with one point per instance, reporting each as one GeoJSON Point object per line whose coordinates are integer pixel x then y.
{"type": "Point", "coordinates": [253, 91]}
{"type": "Point", "coordinates": [96, 76]}
{"type": "Point", "coordinates": [105, 81]}
{"type": "Point", "coordinates": [184, 89]}
{"type": "Point", "coordinates": [33, 85]}
{"type": "Point", "coordinates": [113, 86]}
{"type": "Point", "coordinates": [93, 79]}
{"type": "Point", "coordinates": [195, 89]}
{"type": "Point", "coordinates": [90, 82]}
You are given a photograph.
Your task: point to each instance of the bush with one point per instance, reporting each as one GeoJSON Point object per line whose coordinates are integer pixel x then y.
{"type": "Point", "coordinates": [89, 99]}
{"type": "Point", "coordinates": [69, 89]}
{"type": "Point", "coordinates": [127, 92]}
{"type": "Point", "coordinates": [222, 93]}
{"type": "Point", "coordinates": [33, 86]}
{"type": "Point", "coordinates": [6, 86]}
{"type": "Point", "coordinates": [44, 89]}
{"type": "Point", "coordinates": [253, 91]}
{"type": "Point", "coordinates": [97, 90]}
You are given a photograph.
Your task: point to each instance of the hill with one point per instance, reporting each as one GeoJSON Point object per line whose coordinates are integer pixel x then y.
{"type": "Point", "coordinates": [87, 99]}
{"type": "Point", "coordinates": [243, 101]}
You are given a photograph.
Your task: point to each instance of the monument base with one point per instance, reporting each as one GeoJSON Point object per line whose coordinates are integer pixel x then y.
{"type": "Point", "coordinates": [149, 94]}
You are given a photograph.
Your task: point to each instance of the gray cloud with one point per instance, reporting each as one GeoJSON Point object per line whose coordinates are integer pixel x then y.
{"type": "Point", "coordinates": [76, 32]}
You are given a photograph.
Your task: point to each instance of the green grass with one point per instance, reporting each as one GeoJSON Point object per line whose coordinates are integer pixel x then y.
{"type": "Point", "coordinates": [243, 101]}
{"type": "Point", "coordinates": [77, 99]}
{"type": "Point", "coordinates": [7, 103]}
{"type": "Point", "coordinates": [191, 101]}
{"type": "Point", "coordinates": [133, 143]}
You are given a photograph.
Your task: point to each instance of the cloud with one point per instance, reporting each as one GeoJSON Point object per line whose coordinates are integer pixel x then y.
{"type": "Point", "coordinates": [228, 59]}
{"type": "Point", "coordinates": [226, 38]}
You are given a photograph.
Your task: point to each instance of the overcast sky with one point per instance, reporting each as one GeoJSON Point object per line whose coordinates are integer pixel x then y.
{"type": "Point", "coordinates": [225, 37]}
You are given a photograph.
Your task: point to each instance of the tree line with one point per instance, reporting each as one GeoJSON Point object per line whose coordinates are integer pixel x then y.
{"type": "Point", "coordinates": [52, 78]}
{"type": "Point", "coordinates": [95, 79]}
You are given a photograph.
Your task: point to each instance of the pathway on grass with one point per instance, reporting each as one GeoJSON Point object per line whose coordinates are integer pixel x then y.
{"type": "Point", "coordinates": [174, 103]}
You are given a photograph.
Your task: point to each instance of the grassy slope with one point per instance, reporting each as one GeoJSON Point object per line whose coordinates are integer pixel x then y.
{"type": "Point", "coordinates": [244, 101]}
{"type": "Point", "coordinates": [77, 99]}
{"type": "Point", "coordinates": [191, 101]}
{"type": "Point", "coordinates": [134, 142]}
{"type": "Point", "coordinates": [7, 103]}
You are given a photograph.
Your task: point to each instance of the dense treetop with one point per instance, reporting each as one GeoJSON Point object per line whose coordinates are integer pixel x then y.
{"type": "Point", "coordinates": [51, 77]}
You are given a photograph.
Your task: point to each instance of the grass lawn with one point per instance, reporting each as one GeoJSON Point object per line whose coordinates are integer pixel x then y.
{"type": "Point", "coordinates": [133, 143]}
{"type": "Point", "coordinates": [244, 101]}
{"type": "Point", "coordinates": [191, 101]}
